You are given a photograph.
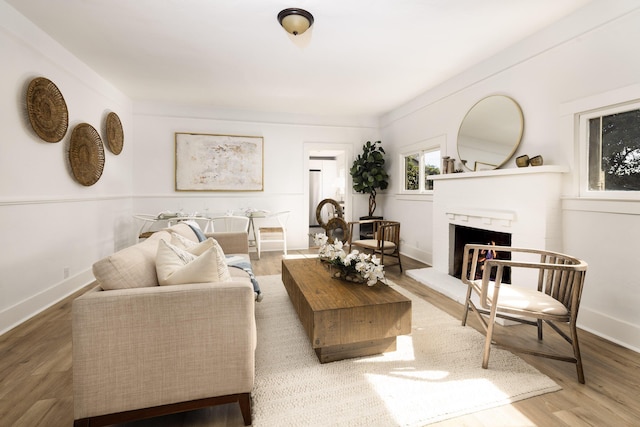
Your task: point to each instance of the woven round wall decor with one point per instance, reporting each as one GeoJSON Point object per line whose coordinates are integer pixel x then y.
{"type": "Point", "coordinates": [86, 154]}
{"type": "Point", "coordinates": [47, 110]}
{"type": "Point", "coordinates": [115, 134]}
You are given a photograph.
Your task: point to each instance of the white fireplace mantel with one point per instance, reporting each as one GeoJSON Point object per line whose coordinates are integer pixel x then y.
{"type": "Point", "coordinates": [501, 172]}
{"type": "Point", "coordinates": [485, 216]}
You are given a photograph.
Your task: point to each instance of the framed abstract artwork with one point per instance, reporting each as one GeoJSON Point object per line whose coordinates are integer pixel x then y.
{"type": "Point", "coordinates": [219, 162]}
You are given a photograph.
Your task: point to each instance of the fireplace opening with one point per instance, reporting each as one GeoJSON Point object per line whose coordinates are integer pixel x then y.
{"type": "Point", "coordinates": [464, 235]}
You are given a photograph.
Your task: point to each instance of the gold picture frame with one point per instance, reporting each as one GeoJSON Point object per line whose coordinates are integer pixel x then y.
{"type": "Point", "coordinates": [212, 162]}
{"type": "Point", "coordinates": [481, 166]}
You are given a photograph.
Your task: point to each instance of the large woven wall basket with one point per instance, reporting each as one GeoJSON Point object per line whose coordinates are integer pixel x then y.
{"type": "Point", "coordinates": [47, 110]}
{"type": "Point", "coordinates": [86, 154]}
{"type": "Point", "coordinates": [115, 134]}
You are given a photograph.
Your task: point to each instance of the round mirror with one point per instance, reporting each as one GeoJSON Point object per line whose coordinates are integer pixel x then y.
{"type": "Point", "coordinates": [490, 133]}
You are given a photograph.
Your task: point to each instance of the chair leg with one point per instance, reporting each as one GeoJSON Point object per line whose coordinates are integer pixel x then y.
{"type": "Point", "coordinates": [576, 352]}
{"type": "Point", "coordinates": [284, 244]}
{"type": "Point", "coordinates": [467, 299]}
{"type": "Point", "coordinates": [489, 337]}
{"type": "Point", "coordinates": [540, 323]}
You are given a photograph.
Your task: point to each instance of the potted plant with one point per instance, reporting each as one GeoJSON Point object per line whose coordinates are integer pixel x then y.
{"type": "Point", "coordinates": [368, 172]}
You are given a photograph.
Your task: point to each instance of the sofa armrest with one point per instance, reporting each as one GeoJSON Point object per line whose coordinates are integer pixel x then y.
{"type": "Point", "coordinates": [232, 242]}
{"type": "Point", "coordinates": [144, 347]}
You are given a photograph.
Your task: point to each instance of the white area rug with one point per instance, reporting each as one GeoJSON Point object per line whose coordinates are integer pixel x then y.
{"type": "Point", "coordinates": [435, 374]}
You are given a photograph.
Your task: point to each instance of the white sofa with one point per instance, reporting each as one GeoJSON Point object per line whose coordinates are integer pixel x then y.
{"type": "Point", "coordinates": [142, 350]}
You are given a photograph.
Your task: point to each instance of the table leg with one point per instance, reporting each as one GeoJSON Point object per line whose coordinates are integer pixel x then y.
{"type": "Point", "coordinates": [251, 230]}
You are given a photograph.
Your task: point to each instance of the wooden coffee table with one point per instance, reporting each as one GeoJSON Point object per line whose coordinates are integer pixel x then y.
{"type": "Point", "coordinates": [343, 319]}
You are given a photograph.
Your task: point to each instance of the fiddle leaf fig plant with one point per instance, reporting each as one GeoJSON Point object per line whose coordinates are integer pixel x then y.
{"type": "Point", "coordinates": [368, 172]}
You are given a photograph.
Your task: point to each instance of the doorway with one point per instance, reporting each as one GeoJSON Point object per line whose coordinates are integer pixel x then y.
{"type": "Point", "coordinates": [327, 178]}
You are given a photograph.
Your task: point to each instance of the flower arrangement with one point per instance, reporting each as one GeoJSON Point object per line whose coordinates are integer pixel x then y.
{"type": "Point", "coordinates": [354, 267]}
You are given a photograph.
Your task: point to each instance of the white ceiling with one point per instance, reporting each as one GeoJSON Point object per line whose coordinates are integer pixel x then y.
{"type": "Point", "coordinates": [361, 57]}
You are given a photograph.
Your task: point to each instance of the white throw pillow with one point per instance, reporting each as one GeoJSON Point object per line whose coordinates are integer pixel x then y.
{"type": "Point", "coordinates": [176, 266]}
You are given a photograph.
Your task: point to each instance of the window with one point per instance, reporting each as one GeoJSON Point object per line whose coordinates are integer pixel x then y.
{"type": "Point", "coordinates": [610, 141]}
{"type": "Point", "coordinates": [418, 165]}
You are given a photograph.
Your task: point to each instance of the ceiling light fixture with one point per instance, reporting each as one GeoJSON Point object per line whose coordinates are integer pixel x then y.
{"type": "Point", "coordinates": [295, 21]}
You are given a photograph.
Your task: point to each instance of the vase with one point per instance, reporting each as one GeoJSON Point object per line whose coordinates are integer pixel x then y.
{"type": "Point", "coordinates": [536, 161]}
{"type": "Point", "coordinates": [522, 161]}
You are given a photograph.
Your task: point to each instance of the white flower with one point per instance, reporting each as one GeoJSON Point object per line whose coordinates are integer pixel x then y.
{"type": "Point", "coordinates": [320, 239]}
{"type": "Point", "coordinates": [353, 264]}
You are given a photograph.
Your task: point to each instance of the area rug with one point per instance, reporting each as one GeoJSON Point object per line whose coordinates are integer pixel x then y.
{"type": "Point", "coordinates": [435, 374]}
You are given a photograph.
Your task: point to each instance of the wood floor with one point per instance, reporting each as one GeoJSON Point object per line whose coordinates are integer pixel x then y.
{"type": "Point", "coordinates": [36, 380]}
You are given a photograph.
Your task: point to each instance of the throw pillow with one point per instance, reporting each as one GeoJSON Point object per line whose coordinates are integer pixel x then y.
{"type": "Point", "coordinates": [201, 263]}
{"type": "Point", "coordinates": [191, 246]}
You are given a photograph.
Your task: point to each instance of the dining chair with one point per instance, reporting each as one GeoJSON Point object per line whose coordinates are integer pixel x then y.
{"type": "Point", "coordinates": [146, 222]}
{"type": "Point", "coordinates": [273, 229]}
{"type": "Point", "coordinates": [385, 240]}
{"type": "Point", "coordinates": [552, 297]}
{"type": "Point", "coordinates": [229, 223]}
{"type": "Point", "coordinates": [203, 223]}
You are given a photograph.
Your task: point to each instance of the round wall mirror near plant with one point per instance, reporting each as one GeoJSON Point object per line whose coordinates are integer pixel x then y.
{"type": "Point", "coordinates": [490, 133]}
{"type": "Point", "coordinates": [368, 172]}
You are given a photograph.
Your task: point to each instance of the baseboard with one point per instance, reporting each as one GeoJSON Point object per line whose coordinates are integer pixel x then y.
{"type": "Point", "coordinates": [615, 330]}
{"type": "Point", "coordinates": [417, 254]}
{"type": "Point", "coordinates": [26, 309]}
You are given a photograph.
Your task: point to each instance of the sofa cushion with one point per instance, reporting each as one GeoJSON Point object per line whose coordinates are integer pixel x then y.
{"type": "Point", "coordinates": [132, 267]}
{"type": "Point", "coordinates": [177, 266]}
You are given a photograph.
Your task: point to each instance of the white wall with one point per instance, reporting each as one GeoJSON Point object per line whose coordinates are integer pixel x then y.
{"type": "Point", "coordinates": [53, 228]}
{"type": "Point", "coordinates": [286, 185]}
{"type": "Point", "coordinates": [586, 61]}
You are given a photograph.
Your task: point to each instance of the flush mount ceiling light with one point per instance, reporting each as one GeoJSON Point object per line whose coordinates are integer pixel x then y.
{"type": "Point", "coordinates": [295, 21]}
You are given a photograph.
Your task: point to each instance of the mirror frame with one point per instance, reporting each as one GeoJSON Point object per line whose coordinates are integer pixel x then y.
{"type": "Point", "coordinates": [514, 140]}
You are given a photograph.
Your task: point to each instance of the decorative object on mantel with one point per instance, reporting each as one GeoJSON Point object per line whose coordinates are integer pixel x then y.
{"type": "Point", "coordinates": [115, 134]}
{"type": "Point", "coordinates": [368, 172]}
{"type": "Point", "coordinates": [536, 161]}
{"type": "Point", "coordinates": [47, 110]}
{"type": "Point", "coordinates": [522, 161]}
{"type": "Point", "coordinates": [445, 164]}
{"type": "Point", "coordinates": [448, 164]}
{"type": "Point", "coordinates": [490, 133]}
{"type": "Point", "coordinates": [354, 267]}
{"type": "Point", "coordinates": [86, 154]}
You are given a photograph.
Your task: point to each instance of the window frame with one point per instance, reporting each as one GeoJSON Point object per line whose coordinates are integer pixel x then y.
{"type": "Point", "coordinates": [420, 149]}
{"type": "Point", "coordinates": [583, 142]}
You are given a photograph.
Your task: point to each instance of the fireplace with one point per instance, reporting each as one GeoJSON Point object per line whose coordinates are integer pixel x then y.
{"type": "Point", "coordinates": [464, 235]}
{"type": "Point", "coordinates": [522, 203]}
